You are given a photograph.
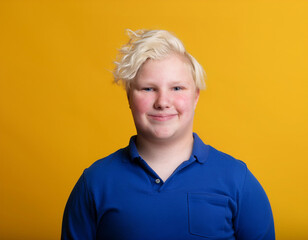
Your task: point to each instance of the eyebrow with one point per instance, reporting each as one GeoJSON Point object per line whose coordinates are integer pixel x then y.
{"type": "Point", "coordinates": [178, 82]}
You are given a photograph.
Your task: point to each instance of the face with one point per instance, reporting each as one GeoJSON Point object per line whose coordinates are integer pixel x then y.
{"type": "Point", "coordinates": [163, 98]}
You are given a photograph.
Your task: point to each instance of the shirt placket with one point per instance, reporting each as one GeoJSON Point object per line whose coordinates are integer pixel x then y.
{"type": "Point", "coordinates": [157, 183]}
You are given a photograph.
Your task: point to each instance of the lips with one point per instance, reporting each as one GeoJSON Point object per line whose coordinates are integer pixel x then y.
{"type": "Point", "coordinates": [161, 117]}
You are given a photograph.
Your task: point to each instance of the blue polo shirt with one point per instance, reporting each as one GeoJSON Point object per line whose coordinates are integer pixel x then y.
{"type": "Point", "coordinates": [209, 196]}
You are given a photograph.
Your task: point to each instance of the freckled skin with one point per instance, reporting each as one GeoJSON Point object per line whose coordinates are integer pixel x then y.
{"type": "Point", "coordinates": [163, 98]}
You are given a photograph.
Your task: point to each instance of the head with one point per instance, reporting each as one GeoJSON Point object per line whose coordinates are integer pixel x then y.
{"type": "Point", "coordinates": [163, 82]}
{"type": "Point", "coordinates": [155, 45]}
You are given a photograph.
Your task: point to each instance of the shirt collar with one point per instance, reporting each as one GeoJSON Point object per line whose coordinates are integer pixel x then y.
{"type": "Point", "coordinates": [133, 152]}
{"type": "Point", "coordinates": [199, 152]}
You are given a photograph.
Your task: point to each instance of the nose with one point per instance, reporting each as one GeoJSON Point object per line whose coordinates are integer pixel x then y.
{"type": "Point", "coordinates": [162, 101]}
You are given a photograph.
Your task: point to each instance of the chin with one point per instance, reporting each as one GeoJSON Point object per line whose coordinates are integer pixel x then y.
{"type": "Point", "coordinates": [157, 134]}
{"type": "Point", "coordinates": [163, 135]}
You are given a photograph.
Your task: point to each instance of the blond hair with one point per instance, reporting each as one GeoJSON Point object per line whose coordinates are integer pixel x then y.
{"type": "Point", "coordinates": [151, 44]}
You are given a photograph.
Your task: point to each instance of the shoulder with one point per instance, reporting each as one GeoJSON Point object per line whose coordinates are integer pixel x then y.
{"type": "Point", "coordinates": [116, 157]}
{"type": "Point", "coordinates": [226, 167]}
{"type": "Point", "coordinates": [225, 160]}
{"type": "Point", "coordinates": [215, 158]}
{"type": "Point", "coordinates": [217, 163]}
{"type": "Point", "coordinates": [108, 165]}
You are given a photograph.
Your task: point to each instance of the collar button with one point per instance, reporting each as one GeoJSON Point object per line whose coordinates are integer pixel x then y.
{"type": "Point", "coordinates": [157, 180]}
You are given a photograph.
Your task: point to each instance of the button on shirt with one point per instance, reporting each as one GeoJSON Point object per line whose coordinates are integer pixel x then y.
{"type": "Point", "coordinates": [209, 196]}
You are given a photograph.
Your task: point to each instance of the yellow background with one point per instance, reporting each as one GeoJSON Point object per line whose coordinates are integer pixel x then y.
{"type": "Point", "coordinates": [59, 111]}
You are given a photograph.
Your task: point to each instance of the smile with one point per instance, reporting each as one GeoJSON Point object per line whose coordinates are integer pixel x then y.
{"type": "Point", "coordinates": [162, 117]}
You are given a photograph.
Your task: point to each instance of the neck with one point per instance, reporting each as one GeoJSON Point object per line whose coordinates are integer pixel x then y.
{"type": "Point", "coordinates": [165, 151]}
{"type": "Point", "coordinates": [165, 156]}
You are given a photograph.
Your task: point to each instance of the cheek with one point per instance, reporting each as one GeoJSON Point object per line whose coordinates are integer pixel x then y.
{"type": "Point", "coordinates": [185, 103]}
{"type": "Point", "coordinates": [140, 104]}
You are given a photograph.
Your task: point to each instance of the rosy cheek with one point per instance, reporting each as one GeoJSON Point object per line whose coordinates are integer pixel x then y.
{"type": "Point", "coordinates": [183, 102]}
{"type": "Point", "coordinates": [141, 103]}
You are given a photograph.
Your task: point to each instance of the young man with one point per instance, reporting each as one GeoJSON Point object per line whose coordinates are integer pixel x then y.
{"type": "Point", "coordinates": [166, 184]}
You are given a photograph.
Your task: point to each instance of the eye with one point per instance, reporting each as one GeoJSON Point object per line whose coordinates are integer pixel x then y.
{"type": "Point", "coordinates": [177, 88]}
{"type": "Point", "coordinates": [148, 89]}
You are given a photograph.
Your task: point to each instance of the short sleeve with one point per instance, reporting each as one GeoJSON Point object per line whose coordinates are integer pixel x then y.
{"type": "Point", "coordinates": [254, 220]}
{"type": "Point", "coordinates": [79, 215]}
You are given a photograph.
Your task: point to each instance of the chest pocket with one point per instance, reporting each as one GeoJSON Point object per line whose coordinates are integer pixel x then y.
{"type": "Point", "coordinates": [207, 214]}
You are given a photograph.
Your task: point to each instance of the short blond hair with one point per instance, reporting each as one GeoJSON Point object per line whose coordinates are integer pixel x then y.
{"type": "Point", "coordinates": [151, 44]}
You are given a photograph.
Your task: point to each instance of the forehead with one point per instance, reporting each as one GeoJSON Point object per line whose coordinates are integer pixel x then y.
{"type": "Point", "coordinates": [171, 68]}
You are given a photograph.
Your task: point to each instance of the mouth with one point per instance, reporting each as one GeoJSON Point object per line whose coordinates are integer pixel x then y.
{"type": "Point", "coordinates": [162, 117]}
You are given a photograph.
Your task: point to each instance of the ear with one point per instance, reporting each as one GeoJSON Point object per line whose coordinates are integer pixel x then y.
{"type": "Point", "coordinates": [196, 97]}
